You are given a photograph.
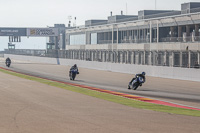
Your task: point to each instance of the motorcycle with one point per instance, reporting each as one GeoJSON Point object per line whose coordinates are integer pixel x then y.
{"type": "Point", "coordinates": [73, 73]}
{"type": "Point", "coordinates": [8, 63]}
{"type": "Point", "coordinates": [138, 81]}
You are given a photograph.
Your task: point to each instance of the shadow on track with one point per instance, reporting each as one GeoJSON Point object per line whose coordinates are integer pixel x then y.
{"type": "Point", "coordinates": [78, 81]}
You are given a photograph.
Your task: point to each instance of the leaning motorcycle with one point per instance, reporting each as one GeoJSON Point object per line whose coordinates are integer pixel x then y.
{"type": "Point", "coordinates": [8, 63]}
{"type": "Point", "coordinates": [73, 73]}
{"type": "Point", "coordinates": [138, 81]}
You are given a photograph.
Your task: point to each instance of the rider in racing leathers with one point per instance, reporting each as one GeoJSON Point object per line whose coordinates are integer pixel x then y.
{"type": "Point", "coordinates": [8, 60]}
{"type": "Point", "coordinates": [138, 75]}
{"type": "Point", "coordinates": [72, 68]}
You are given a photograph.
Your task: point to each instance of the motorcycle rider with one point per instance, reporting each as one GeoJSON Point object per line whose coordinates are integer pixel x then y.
{"type": "Point", "coordinates": [72, 68]}
{"type": "Point", "coordinates": [138, 75]}
{"type": "Point", "coordinates": [8, 60]}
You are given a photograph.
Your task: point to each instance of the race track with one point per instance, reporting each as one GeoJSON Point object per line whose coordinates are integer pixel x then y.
{"type": "Point", "coordinates": [178, 91]}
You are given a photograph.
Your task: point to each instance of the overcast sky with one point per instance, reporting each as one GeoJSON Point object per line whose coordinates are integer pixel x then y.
{"type": "Point", "coordinates": [42, 13]}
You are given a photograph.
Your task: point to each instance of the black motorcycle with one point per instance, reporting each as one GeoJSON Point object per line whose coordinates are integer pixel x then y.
{"type": "Point", "coordinates": [138, 81]}
{"type": "Point", "coordinates": [73, 73]}
{"type": "Point", "coordinates": [8, 63]}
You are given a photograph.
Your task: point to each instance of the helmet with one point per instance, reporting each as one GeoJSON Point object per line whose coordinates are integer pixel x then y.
{"type": "Point", "coordinates": [75, 65]}
{"type": "Point", "coordinates": [143, 73]}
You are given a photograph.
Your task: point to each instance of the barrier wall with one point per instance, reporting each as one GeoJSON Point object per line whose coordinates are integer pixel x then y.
{"type": "Point", "coordinates": [155, 71]}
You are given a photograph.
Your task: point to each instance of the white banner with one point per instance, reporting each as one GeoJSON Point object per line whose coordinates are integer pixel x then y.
{"type": "Point", "coordinates": [42, 32]}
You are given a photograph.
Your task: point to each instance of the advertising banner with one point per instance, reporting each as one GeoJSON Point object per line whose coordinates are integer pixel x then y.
{"type": "Point", "coordinates": [12, 31]}
{"type": "Point", "coordinates": [42, 32]}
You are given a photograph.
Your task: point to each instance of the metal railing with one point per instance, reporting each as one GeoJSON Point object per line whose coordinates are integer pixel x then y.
{"type": "Point", "coordinates": [124, 41]}
{"type": "Point", "coordinates": [135, 41]}
{"type": "Point", "coordinates": [156, 58]}
{"type": "Point", "coordinates": [181, 39]}
{"type": "Point", "coordinates": [30, 52]}
{"type": "Point", "coordinates": [166, 39]}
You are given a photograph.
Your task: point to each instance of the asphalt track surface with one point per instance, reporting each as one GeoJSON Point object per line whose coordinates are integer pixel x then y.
{"type": "Point", "coordinates": [31, 107]}
{"type": "Point", "coordinates": [176, 91]}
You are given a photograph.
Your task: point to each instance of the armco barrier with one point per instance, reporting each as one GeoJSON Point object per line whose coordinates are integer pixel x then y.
{"type": "Point", "coordinates": [155, 71]}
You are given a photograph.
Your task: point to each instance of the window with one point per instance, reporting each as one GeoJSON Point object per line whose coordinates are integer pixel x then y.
{"type": "Point", "coordinates": [77, 39]}
{"type": "Point", "coordinates": [93, 38]}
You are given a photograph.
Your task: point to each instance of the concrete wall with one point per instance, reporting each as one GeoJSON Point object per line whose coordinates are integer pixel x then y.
{"type": "Point", "coordinates": [155, 71]}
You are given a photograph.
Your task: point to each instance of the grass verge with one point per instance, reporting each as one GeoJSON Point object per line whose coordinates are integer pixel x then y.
{"type": "Point", "coordinates": [109, 97]}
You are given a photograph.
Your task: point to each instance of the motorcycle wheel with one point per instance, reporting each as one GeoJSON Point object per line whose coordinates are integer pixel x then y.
{"type": "Point", "coordinates": [136, 86]}
{"type": "Point", "coordinates": [73, 76]}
